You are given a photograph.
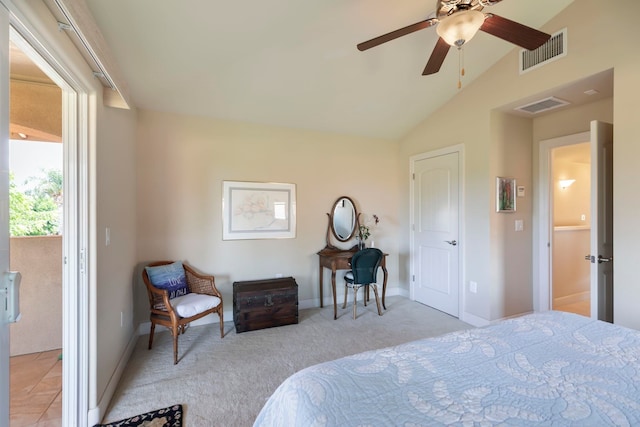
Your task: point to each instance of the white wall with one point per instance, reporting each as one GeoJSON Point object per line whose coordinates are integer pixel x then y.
{"type": "Point", "coordinates": [592, 26]}
{"type": "Point", "coordinates": [182, 162]}
{"type": "Point", "coordinates": [511, 251]}
{"type": "Point", "coordinates": [115, 209]}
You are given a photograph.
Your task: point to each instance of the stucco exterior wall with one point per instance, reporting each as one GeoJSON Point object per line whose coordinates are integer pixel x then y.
{"type": "Point", "coordinates": [39, 260]}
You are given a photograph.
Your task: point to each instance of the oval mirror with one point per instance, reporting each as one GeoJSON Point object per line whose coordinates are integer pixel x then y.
{"type": "Point", "coordinates": [344, 219]}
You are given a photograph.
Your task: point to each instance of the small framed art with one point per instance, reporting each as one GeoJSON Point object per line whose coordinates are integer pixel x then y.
{"type": "Point", "coordinates": [505, 194]}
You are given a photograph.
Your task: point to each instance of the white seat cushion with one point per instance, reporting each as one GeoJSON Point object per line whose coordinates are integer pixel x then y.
{"type": "Point", "coordinates": [192, 304]}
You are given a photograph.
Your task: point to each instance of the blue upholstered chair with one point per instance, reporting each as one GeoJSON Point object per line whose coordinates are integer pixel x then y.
{"type": "Point", "coordinates": [364, 270]}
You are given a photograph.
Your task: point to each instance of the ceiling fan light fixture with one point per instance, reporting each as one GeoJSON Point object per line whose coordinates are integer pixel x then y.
{"type": "Point", "coordinates": [460, 27]}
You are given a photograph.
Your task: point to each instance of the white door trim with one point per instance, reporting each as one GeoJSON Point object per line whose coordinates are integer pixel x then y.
{"type": "Point", "coordinates": [75, 283]}
{"type": "Point", "coordinates": [542, 274]}
{"type": "Point", "coordinates": [4, 214]}
{"type": "Point", "coordinates": [458, 148]}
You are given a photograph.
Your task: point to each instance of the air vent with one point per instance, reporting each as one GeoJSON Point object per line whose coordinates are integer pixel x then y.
{"type": "Point", "coordinates": [542, 105]}
{"type": "Point", "coordinates": [554, 48]}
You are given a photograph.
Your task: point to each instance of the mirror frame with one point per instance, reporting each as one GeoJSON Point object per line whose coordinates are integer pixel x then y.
{"type": "Point", "coordinates": [355, 219]}
{"type": "Point", "coordinates": [330, 227]}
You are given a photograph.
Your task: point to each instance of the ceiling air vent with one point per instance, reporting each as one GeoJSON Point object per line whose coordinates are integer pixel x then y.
{"type": "Point", "coordinates": [554, 48]}
{"type": "Point", "coordinates": [542, 105]}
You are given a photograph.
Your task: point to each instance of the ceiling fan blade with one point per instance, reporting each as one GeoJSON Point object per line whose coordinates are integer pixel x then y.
{"type": "Point", "coordinates": [514, 32]}
{"type": "Point", "coordinates": [437, 57]}
{"type": "Point", "coordinates": [397, 33]}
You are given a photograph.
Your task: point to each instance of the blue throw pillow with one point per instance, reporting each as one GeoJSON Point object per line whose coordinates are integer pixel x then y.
{"type": "Point", "coordinates": [170, 277]}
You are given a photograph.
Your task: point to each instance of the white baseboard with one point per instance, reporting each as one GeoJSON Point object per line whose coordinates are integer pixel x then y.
{"type": "Point", "coordinates": [328, 301]}
{"type": "Point", "coordinates": [144, 327]}
{"type": "Point", "coordinates": [479, 322]}
{"type": "Point", "coordinates": [474, 320]}
{"type": "Point", "coordinates": [96, 414]}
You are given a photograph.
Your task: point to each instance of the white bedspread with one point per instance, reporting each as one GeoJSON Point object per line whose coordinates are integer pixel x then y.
{"type": "Point", "coordinates": [549, 368]}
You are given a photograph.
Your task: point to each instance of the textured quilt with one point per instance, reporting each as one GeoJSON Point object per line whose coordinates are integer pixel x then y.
{"type": "Point", "coordinates": [549, 368]}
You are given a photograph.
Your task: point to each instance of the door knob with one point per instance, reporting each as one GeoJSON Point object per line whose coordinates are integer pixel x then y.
{"type": "Point", "coordinates": [451, 242]}
{"type": "Point", "coordinates": [602, 259]}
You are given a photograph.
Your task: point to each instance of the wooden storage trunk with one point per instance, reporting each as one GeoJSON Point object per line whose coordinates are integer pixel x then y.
{"type": "Point", "coordinates": [260, 304]}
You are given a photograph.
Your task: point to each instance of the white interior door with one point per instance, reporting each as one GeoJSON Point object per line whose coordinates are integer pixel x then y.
{"type": "Point", "coordinates": [601, 256]}
{"type": "Point", "coordinates": [4, 211]}
{"type": "Point", "coordinates": [435, 246]}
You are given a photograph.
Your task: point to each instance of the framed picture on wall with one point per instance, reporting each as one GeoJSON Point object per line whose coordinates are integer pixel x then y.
{"type": "Point", "coordinates": [258, 210]}
{"type": "Point", "coordinates": [505, 194]}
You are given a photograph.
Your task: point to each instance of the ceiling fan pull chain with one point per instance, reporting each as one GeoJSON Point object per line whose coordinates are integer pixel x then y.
{"type": "Point", "coordinates": [460, 67]}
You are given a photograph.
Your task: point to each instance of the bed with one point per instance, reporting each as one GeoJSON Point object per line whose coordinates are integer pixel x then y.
{"type": "Point", "coordinates": [550, 368]}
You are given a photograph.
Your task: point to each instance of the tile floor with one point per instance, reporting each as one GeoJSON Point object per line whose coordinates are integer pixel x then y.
{"type": "Point", "coordinates": [36, 390]}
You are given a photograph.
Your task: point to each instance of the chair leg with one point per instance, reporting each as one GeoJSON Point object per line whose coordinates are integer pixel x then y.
{"type": "Point", "coordinates": [355, 300]}
{"type": "Point", "coordinates": [153, 328]}
{"type": "Point", "coordinates": [375, 291]}
{"type": "Point", "coordinates": [175, 332]}
{"type": "Point", "coordinates": [221, 324]}
{"type": "Point", "coordinates": [346, 290]}
{"type": "Point", "coordinates": [365, 294]}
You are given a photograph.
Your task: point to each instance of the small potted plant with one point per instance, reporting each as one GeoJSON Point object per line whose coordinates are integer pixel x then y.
{"type": "Point", "coordinates": [364, 231]}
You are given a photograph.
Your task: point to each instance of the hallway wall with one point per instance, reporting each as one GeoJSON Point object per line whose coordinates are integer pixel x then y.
{"type": "Point", "coordinates": [571, 278]}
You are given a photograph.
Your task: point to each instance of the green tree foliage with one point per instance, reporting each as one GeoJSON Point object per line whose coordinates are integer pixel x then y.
{"type": "Point", "coordinates": [36, 211]}
{"type": "Point", "coordinates": [47, 186]}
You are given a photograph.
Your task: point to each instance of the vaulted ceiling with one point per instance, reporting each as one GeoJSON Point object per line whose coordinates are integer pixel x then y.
{"type": "Point", "coordinates": [295, 63]}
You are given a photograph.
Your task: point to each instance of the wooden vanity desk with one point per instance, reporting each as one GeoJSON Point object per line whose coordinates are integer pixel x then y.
{"type": "Point", "coordinates": [336, 259]}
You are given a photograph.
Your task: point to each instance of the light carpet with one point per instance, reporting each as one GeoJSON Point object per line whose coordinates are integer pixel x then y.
{"type": "Point", "coordinates": [226, 381]}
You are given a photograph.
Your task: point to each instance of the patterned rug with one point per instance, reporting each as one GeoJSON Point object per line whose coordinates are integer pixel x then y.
{"type": "Point", "coordinates": [166, 417]}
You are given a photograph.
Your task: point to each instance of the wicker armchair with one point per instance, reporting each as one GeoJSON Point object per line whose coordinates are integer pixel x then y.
{"type": "Point", "coordinates": [163, 313]}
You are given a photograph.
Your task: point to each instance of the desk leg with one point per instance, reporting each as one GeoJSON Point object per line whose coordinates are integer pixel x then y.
{"type": "Point", "coordinates": [384, 285]}
{"type": "Point", "coordinates": [333, 288]}
{"type": "Point", "coordinates": [320, 273]}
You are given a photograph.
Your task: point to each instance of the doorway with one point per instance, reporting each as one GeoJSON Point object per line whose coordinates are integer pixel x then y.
{"type": "Point", "coordinates": [599, 257]}
{"type": "Point", "coordinates": [544, 297]}
{"type": "Point", "coordinates": [75, 104]}
{"type": "Point", "coordinates": [571, 230]}
{"type": "Point", "coordinates": [36, 225]}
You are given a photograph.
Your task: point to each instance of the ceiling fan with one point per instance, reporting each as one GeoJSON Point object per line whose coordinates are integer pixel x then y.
{"type": "Point", "coordinates": [457, 21]}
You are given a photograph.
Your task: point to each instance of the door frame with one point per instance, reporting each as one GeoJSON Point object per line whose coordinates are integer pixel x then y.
{"type": "Point", "coordinates": [542, 299]}
{"type": "Point", "coordinates": [4, 213]}
{"type": "Point", "coordinates": [77, 106]}
{"type": "Point", "coordinates": [459, 149]}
